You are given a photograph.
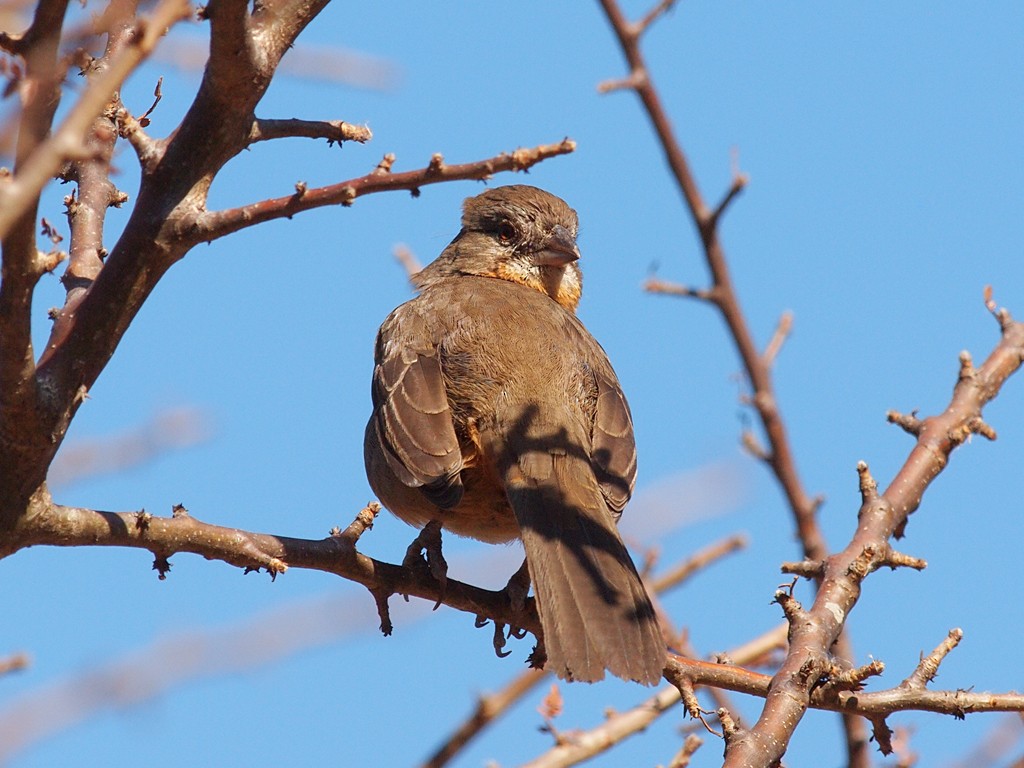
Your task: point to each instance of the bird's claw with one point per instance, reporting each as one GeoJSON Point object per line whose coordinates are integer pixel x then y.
{"type": "Point", "coordinates": [428, 542]}
{"type": "Point", "coordinates": [518, 588]}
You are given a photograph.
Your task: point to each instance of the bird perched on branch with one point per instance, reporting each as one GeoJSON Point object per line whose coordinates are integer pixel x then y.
{"type": "Point", "coordinates": [498, 415]}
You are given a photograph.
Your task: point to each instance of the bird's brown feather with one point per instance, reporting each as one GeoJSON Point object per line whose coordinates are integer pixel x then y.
{"type": "Point", "coordinates": [497, 413]}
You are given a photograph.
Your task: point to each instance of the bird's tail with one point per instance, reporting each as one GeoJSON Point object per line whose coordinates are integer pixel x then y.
{"type": "Point", "coordinates": [594, 610]}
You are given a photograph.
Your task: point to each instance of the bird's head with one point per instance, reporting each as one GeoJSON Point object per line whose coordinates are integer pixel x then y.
{"type": "Point", "coordinates": [521, 234]}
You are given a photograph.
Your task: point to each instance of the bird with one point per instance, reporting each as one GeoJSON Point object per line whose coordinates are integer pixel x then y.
{"type": "Point", "coordinates": [499, 416]}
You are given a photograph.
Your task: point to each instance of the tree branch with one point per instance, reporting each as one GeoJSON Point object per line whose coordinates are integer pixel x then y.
{"type": "Point", "coordinates": [14, 663]}
{"type": "Point", "coordinates": [881, 516]}
{"type": "Point", "coordinates": [492, 706]}
{"type": "Point", "coordinates": [177, 173]}
{"type": "Point", "coordinates": [22, 268]}
{"type": "Point", "coordinates": [722, 293]}
{"type": "Point", "coordinates": [87, 213]}
{"type": "Point", "coordinates": [621, 725]}
{"type": "Point", "coordinates": [332, 130]}
{"type": "Point", "coordinates": [18, 192]}
{"type": "Point", "coordinates": [215, 224]}
{"type": "Point", "coordinates": [58, 525]}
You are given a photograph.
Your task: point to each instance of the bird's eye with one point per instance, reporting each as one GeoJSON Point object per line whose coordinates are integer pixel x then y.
{"type": "Point", "coordinates": [506, 232]}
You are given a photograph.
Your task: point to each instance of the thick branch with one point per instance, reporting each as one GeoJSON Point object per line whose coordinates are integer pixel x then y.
{"type": "Point", "coordinates": [87, 213]}
{"type": "Point", "coordinates": [40, 94]}
{"type": "Point", "coordinates": [165, 536]}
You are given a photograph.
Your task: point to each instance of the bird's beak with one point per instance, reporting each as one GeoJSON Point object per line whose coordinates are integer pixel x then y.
{"type": "Point", "coordinates": [559, 250]}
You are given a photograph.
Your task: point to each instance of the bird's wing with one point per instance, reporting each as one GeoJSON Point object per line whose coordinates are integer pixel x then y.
{"type": "Point", "coordinates": [411, 417]}
{"type": "Point", "coordinates": [614, 449]}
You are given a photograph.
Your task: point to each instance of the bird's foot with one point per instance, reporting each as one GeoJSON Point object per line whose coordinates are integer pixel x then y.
{"type": "Point", "coordinates": [518, 588]}
{"type": "Point", "coordinates": [428, 542]}
{"type": "Point", "coordinates": [539, 657]}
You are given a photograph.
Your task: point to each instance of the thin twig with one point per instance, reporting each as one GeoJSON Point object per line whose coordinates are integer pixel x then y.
{"type": "Point", "coordinates": [654, 285]}
{"type": "Point", "coordinates": [332, 130]}
{"type": "Point", "coordinates": [782, 331]}
{"type": "Point", "coordinates": [488, 708]}
{"type": "Point", "coordinates": [404, 256]}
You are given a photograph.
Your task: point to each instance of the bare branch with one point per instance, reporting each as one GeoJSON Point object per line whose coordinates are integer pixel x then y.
{"type": "Point", "coordinates": [58, 525]}
{"type": "Point", "coordinates": [488, 708]}
{"type": "Point", "coordinates": [14, 663]}
{"type": "Point", "coordinates": [131, 128]}
{"type": "Point", "coordinates": [766, 744]}
{"type": "Point", "coordinates": [908, 422]}
{"type": "Point", "coordinates": [739, 183]}
{"type": "Point", "coordinates": [404, 256]}
{"type": "Point", "coordinates": [779, 456]}
{"type": "Point", "coordinates": [896, 559]}
{"type": "Point", "coordinates": [18, 192]}
{"type": "Point", "coordinates": [332, 130]}
{"type": "Point", "coordinates": [359, 526]}
{"type": "Point", "coordinates": [808, 569]}
{"type": "Point", "coordinates": [87, 213]}
{"type": "Point", "coordinates": [722, 292]}
{"type": "Point", "coordinates": [928, 667]}
{"type": "Point", "coordinates": [616, 728]}
{"type": "Point", "coordinates": [653, 285]}
{"type": "Point", "coordinates": [492, 706]}
{"type": "Point", "coordinates": [621, 725]}
{"type": "Point", "coordinates": [959, 703]}
{"type": "Point", "coordinates": [690, 746]}
{"type": "Point", "coordinates": [881, 517]}
{"type": "Point", "coordinates": [22, 267]}
{"type": "Point", "coordinates": [782, 331]}
{"type": "Point", "coordinates": [663, 6]}
{"type": "Point", "coordinates": [212, 225]}
{"type": "Point", "coordinates": [753, 446]}
{"type": "Point", "coordinates": [853, 679]}
{"type": "Point", "coordinates": [697, 562]}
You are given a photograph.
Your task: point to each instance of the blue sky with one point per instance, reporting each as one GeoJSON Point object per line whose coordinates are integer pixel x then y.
{"type": "Point", "coordinates": [883, 145]}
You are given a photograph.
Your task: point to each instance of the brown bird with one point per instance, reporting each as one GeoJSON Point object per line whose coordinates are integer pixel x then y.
{"type": "Point", "coordinates": [497, 414]}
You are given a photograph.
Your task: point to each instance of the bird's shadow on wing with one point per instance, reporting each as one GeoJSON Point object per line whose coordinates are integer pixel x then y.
{"type": "Point", "coordinates": [553, 488]}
